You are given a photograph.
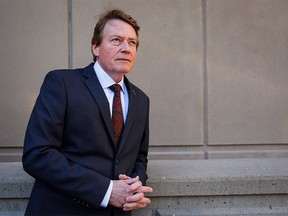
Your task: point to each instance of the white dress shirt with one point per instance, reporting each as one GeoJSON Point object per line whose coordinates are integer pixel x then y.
{"type": "Point", "coordinates": [106, 81]}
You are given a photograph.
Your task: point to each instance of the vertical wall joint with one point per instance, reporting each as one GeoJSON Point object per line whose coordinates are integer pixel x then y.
{"type": "Point", "coordinates": [70, 35]}
{"type": "Point", "coordinates": [205, 80]}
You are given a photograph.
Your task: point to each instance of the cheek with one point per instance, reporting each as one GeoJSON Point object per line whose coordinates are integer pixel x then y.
{"type": "Point", "coordinates": [110, 54]}
{"type": "Point", "coordinates": [106, 56]}
{"type": "Point", "coordinates": [133, 54]}
{"type": "Point", "coordinates": [134, 58]}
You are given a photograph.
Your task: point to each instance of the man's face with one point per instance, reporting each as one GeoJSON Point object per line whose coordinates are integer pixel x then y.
{"type": "Point", "coordinates": [117, 52]}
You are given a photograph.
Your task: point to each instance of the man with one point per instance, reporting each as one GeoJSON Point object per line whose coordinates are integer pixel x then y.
{"type": "Point", "coordinates": [85, 161]}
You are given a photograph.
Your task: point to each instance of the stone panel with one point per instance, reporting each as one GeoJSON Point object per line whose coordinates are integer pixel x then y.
{"type": "Point", "coordinates": [201, 187]}
{"type": "Point", "coordinates": [169, 64]}
{"type": "Point", "coordinates": [247, 71]}
{"type": "Point", "coordinates": [33, 41]}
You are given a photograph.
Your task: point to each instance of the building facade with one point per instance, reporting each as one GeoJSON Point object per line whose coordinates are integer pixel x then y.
{"type": "Point", "coordinates": [224, 64]}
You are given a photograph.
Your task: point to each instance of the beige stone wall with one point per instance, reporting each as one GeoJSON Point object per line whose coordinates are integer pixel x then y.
{"type": "Point", "coordinates": [216, 71]}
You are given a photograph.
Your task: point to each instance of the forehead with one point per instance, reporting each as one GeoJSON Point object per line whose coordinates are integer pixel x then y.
{"type": "Point", "coordinates": [120, 28]}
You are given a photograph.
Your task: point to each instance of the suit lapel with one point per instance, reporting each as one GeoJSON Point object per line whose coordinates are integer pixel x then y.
{"type": "Point", "coordinates": [130, 116]}
{"type": "Point", "coordinates": [96, 90]}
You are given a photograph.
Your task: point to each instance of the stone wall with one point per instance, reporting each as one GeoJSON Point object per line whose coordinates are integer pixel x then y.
{"type": "Point", "coordinates": [224, 62]}
{"type": "Point", "coordinates": [234, 187]}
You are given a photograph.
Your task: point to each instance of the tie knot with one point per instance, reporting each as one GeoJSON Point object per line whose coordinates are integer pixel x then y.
{"type": "Point", "coordinates": [116, 88]}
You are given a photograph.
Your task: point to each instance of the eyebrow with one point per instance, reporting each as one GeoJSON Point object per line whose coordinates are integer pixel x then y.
{"type": "Point", "coordinates": [130, 38]}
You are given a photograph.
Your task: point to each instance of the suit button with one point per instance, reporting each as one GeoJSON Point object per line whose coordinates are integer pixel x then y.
{"type": "Point", "coordinates": [117, 161]}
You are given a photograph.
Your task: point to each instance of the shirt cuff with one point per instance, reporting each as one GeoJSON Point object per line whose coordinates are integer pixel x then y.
{"type": "Point", "coordinates": [106, 198]}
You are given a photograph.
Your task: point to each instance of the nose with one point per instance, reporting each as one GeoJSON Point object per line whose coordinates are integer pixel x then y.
{"type": "Point", "coordinates": [125, 46]}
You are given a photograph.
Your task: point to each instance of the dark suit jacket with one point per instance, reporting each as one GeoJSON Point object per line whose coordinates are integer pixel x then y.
{"type": "Point", "coordinates": [69, 147]}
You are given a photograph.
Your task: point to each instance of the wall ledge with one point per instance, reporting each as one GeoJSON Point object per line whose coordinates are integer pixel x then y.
{"type": "Point", "coordinates": [186, 187]}
{"type": "Point", "coordinates": [218, 177]}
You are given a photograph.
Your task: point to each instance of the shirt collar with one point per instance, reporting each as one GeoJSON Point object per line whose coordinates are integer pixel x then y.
{"type": "Point", "coordinates": [105, 80]}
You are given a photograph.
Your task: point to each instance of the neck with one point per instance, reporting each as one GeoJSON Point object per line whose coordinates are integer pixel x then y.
{"type": "Point", "coordinates": [117, 79]}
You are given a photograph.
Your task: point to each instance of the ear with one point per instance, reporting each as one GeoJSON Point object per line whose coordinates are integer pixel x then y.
{"type": "Point", "coordinates": [95, 50]}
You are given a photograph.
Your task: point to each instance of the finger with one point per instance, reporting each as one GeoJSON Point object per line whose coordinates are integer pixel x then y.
{"type": "Point", "coordinates": [123, 177]}
{"type": "Point", "coordinates": [134, 187]}
{"type": "Point", "coordinates": [144, 189]}
{"type": "Point", "coordinates": [130, 206]}
{"type": "Point", "coordinates": [135, 198]}
{"type": "Point", "coordinates": [138, 199]}
{"type": "Point", "coordinates": [132, 180]}
{"type": "Point", "coordinates": [136, 205]}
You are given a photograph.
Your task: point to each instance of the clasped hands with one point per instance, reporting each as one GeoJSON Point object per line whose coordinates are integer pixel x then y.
{"type": "Point", "coordinates": [128, 193]}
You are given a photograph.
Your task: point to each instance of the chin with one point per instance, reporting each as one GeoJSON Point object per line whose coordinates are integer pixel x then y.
{"type": "Point", "coordinates": [124, 70]}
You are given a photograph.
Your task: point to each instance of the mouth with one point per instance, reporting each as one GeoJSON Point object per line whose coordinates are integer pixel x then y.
{"type": "Point", "coordinates": [123, 60]}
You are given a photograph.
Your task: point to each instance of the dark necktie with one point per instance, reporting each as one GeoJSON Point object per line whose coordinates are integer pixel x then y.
{"type": "Point", "coordinates": [117, 115]}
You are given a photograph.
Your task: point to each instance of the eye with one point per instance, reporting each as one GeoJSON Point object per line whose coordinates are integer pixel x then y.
{"type": "Point", "coordinates": [132, 43]}
{"type": "Point", "coordinates": [116, 41]}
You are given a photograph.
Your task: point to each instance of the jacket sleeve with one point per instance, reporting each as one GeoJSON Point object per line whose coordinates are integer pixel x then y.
{"type": "Point", "coordinates": [42, 155]}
